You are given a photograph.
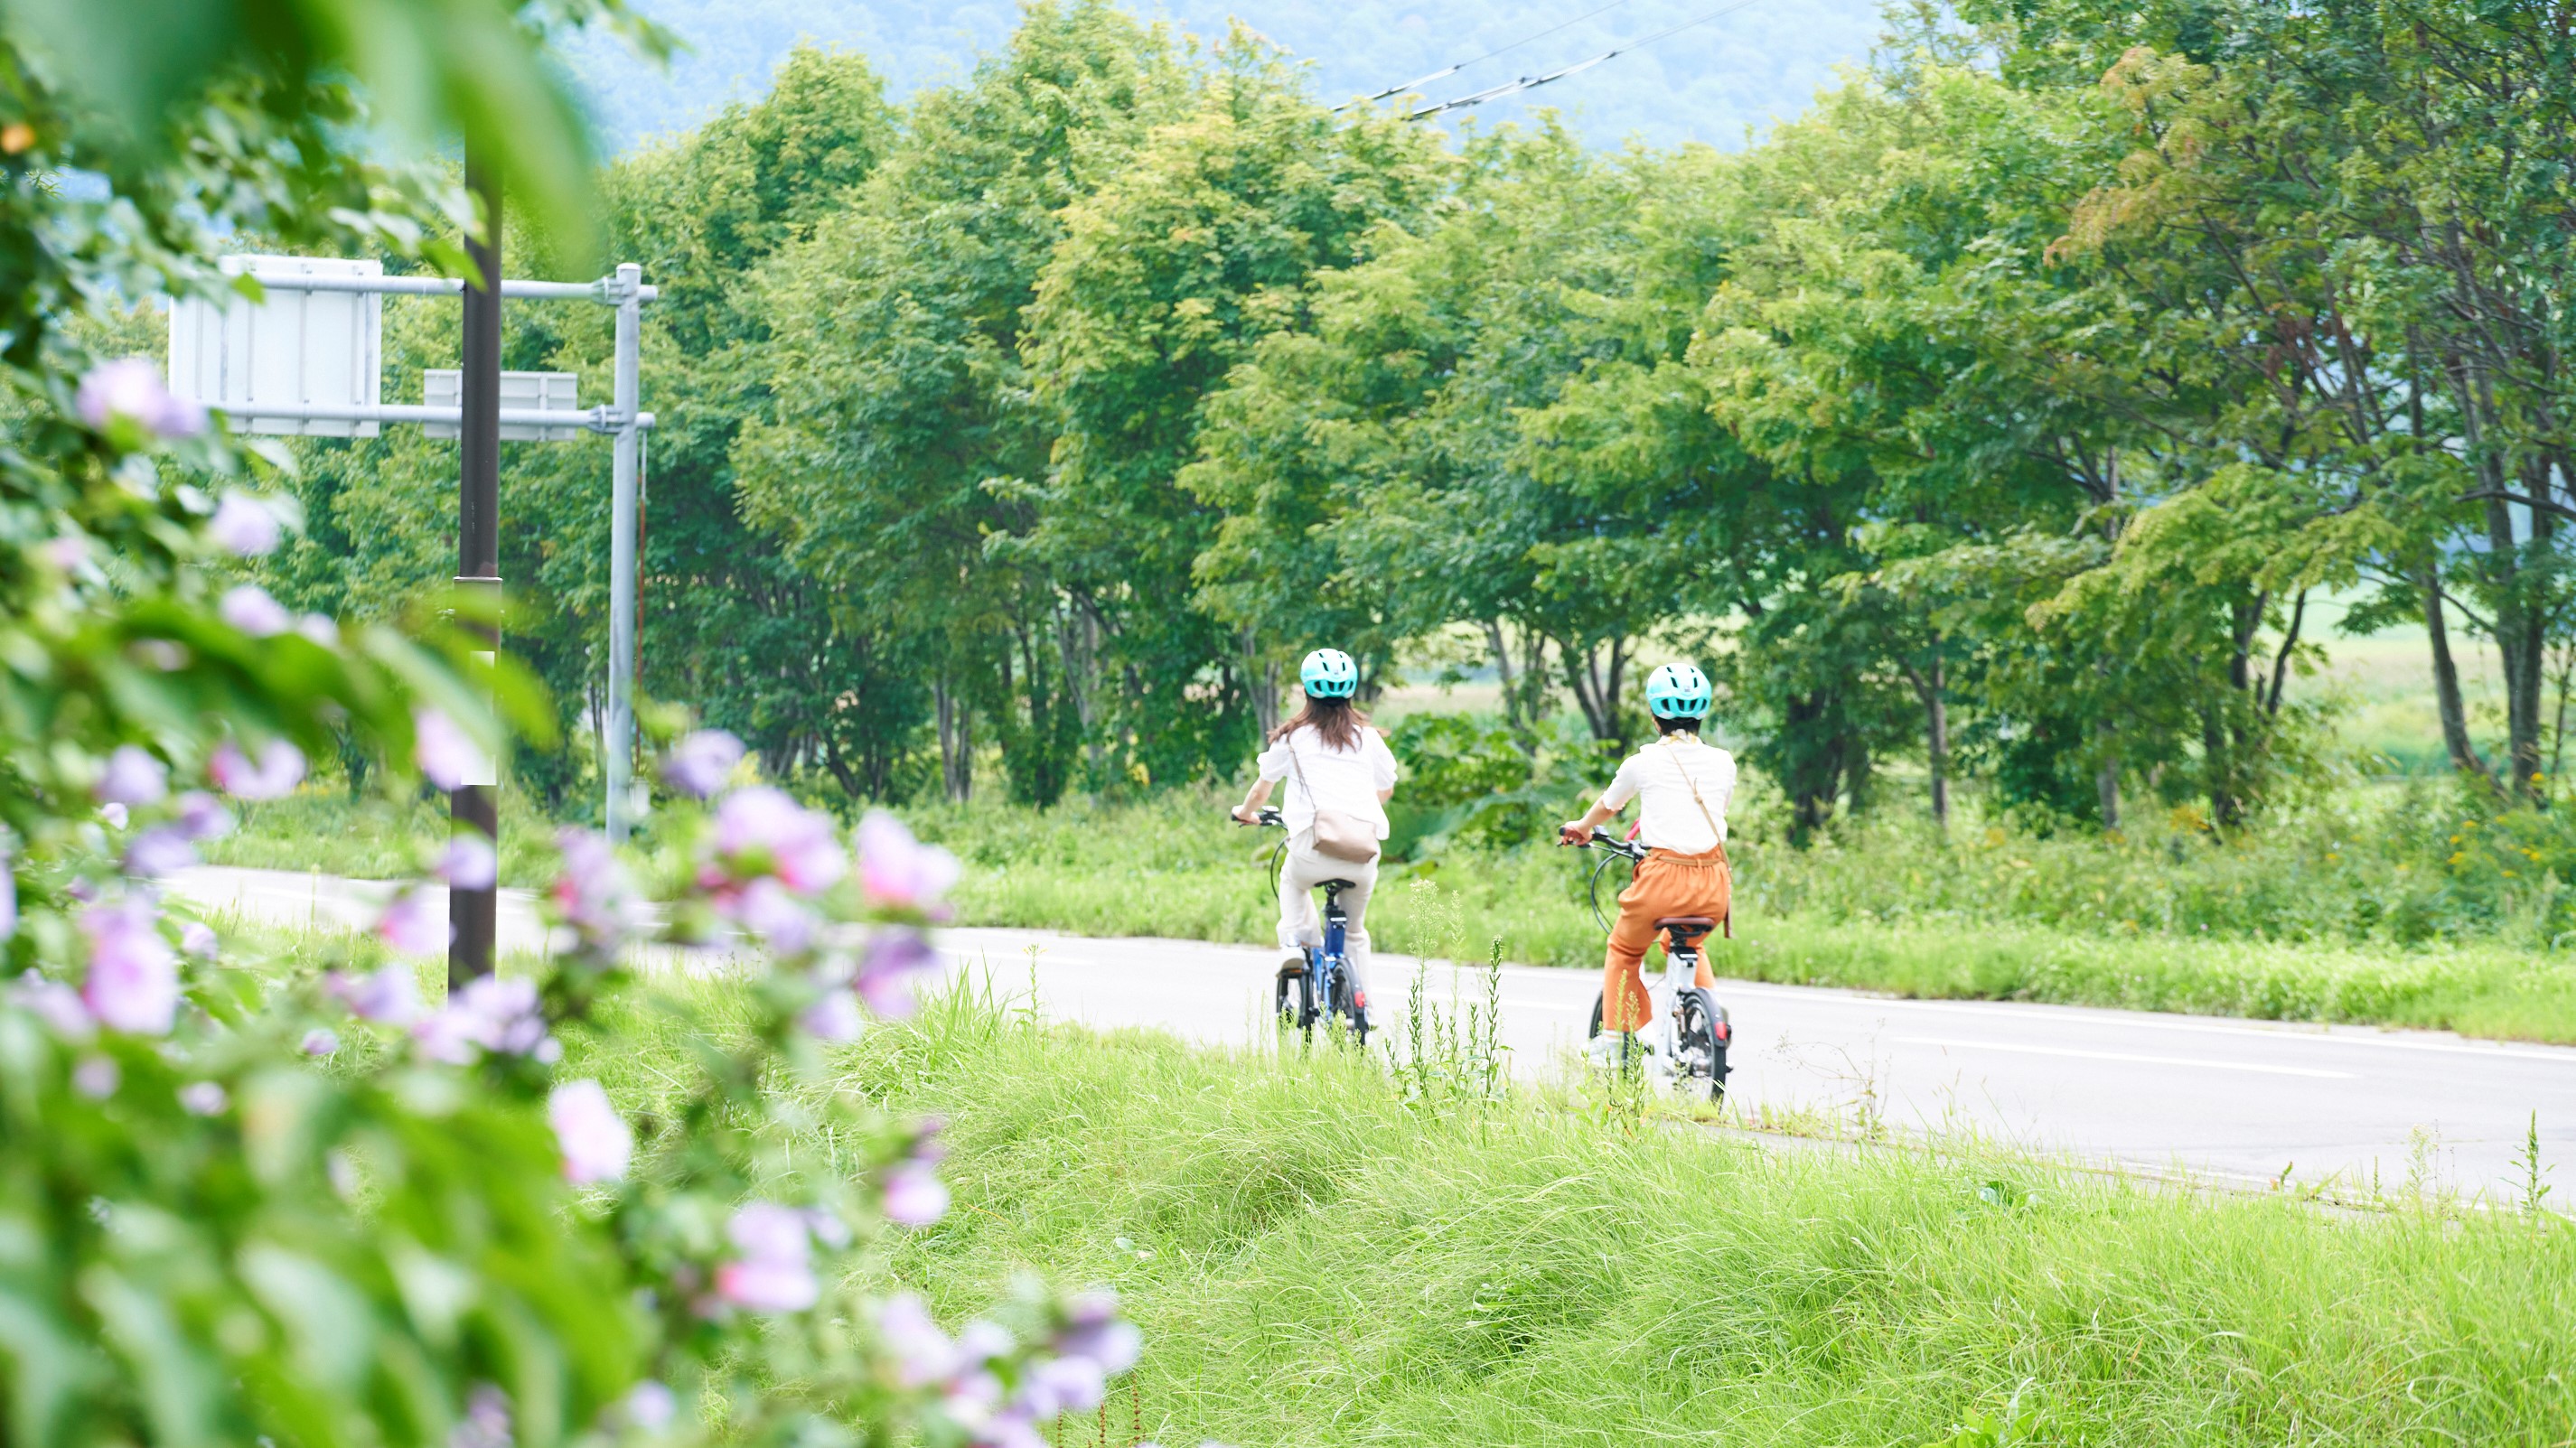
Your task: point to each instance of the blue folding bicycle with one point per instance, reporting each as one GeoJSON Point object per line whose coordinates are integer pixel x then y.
{"type": "Point", "coordinates": [1325, 985]}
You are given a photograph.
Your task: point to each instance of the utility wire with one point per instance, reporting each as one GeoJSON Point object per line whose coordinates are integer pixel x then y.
{"type": "Point", "coordinates": [1419, 81]}
{"type": "Point", "coordinates": [1531, 82]}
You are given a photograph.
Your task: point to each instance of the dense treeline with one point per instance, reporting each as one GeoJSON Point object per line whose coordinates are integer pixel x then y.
{"type": "Point", "coordinates": [2008, 412]}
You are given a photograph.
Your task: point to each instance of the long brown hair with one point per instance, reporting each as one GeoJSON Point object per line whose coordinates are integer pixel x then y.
{"type": "Point", "coordinates": [1338, 720]}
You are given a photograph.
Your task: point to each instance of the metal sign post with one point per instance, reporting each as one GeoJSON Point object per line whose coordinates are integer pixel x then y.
{"type": "Point", "coordinates": [306, 361]}
{"type": "Point", "coordinates": [625, 291]}
{"type": "Point", "coordinates": [474, 807]}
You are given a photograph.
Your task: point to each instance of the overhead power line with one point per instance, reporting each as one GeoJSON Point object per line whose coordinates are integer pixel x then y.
{"type": "Point", "coordinates": [1532, 82]}
{"type": "Point", "coordinates": [1444, 73]}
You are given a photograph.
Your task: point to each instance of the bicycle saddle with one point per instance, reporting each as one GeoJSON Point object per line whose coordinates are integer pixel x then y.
{"type": "Point", "coordinates": [1685, 929]}
{"type": "Point", "coordinates": [1339, 885]}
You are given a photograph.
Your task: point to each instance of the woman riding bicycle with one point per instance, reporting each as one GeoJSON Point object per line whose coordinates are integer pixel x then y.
{"type": "Point", "coordinates": [1340, 775]}
{"type": "Point", "coordinates": [1684, 785]}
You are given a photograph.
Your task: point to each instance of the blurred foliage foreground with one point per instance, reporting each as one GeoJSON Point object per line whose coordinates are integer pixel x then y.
{"type": "Point", "coordinates": [248, 1199]}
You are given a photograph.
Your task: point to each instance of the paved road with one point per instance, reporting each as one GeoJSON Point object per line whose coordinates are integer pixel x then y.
{"type": "Point", "coordinates": [2216, 1097]}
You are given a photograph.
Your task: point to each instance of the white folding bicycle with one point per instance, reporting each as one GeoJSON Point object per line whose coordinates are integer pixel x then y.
{"type": "Point", "coordinates": [1690, 1030]}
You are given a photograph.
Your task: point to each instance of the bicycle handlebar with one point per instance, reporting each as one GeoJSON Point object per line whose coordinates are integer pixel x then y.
{"type": "Point", "coordinates": [1603, 839]}
{"type": "Point", "coordinates": [1266, 817]}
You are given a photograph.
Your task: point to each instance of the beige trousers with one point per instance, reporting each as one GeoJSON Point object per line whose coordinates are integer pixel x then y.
{"type": "Point", "coordinates": [1300, 920]}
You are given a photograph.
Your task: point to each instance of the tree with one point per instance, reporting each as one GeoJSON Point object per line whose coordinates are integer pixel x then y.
{"type": "Point", "coordinates": [1167, 276]}
{"type": "Point", "coordinates": [899, 434]}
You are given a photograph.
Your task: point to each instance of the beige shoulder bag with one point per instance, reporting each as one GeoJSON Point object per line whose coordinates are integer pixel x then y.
{"type": "Point", "coordinates": [1339, 835]}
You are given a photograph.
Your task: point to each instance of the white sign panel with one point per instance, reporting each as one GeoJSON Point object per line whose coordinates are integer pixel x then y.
{"type": "Point", "coordinates": [534, 391]}
{"type": "Point", "coordinates": [297, 348]}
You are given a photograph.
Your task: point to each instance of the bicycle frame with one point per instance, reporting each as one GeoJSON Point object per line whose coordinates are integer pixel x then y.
{"type": "Point", "coordinates": [1328, 966]}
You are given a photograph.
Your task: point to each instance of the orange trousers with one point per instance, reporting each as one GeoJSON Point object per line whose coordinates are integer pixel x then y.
{"type": "Point", "coordinates": [1666, 884]}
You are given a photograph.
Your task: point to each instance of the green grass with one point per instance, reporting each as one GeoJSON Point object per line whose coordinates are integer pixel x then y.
{"type": "Point", "coordinates": [320, 828]}
{"type": "Point", "coordinates": [1315, 1263]}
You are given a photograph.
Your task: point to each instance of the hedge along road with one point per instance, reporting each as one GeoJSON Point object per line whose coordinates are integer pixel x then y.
{"type": "Point", "coordinates": [2233, 1099]}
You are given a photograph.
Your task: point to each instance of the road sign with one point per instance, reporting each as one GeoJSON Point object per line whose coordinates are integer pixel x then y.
{"type": "Point", "coordinates": [296, 349]}
{"type": "Point", "coordinates": [444, 387]}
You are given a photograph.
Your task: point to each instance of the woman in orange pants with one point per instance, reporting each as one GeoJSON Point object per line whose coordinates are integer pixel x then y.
{"type": "Point", "coordinates": [1682, 787]}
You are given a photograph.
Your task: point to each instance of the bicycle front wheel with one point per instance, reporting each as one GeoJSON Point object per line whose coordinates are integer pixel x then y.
{"type": "Point", "coordinates": [1610, 864]}
{"type": "Point", "coordinates": [1294, 1000]}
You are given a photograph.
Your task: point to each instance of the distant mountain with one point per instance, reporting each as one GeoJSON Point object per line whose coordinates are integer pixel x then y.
{"type": "Point", "coordinates": [1711, 82]}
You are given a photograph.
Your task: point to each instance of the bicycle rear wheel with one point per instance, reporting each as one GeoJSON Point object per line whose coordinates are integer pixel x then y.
{"type": "Point", "coordinates": [1348, 1006]}
{"type": "Point", "coordinates": [1700, 1033]}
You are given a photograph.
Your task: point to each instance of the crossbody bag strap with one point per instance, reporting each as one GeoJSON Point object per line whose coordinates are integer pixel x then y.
{"type": "Point", "coordinates": [1692, 785]}
{"type": "Point", "coordinates": [1299, 766]}
{"type": "Point", "coordinates": [1728, 924]}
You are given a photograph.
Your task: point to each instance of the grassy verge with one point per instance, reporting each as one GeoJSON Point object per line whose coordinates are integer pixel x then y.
{"type": "Point", "coordinates": [1316, 1263]}
{"type": "Point", "coordinates": [317, 829]}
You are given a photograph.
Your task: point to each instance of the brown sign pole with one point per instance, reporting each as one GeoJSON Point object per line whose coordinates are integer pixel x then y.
{"type": "Point", "coordinates": [472, 914]}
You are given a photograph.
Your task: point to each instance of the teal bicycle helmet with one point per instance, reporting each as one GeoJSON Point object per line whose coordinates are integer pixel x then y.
{"type": "Point", "coordinates": [1329, 674]}
{"type": "Point", "coordinates": [1677, 691]}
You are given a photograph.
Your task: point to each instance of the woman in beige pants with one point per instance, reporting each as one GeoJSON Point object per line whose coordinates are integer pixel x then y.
{"type": "Point", "coordinates": [1331, 761]}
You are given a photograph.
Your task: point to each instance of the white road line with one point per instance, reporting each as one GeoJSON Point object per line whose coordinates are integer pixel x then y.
{"type": "Point", "coordinates": [2307, 1033]}
{"type": "Point", "coordinates": [2122, 1056]}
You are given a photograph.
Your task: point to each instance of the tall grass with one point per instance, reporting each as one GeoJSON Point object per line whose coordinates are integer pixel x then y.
{"type": "Point", "coordinates": [1316, 1262]}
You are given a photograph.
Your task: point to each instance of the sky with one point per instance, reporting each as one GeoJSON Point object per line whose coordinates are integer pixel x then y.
{"type": "Point", "coordinates": [1746, 64]}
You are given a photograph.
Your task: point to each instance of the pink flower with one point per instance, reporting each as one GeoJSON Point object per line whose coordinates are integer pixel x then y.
{"type": "Point", "coordinates": [834, 1018]}
{"type": "Point", "coordinates": [247, 606]}
{"type": "Point", "coordinates": [760, 830]}
{"type": "Point", "coordinates": [446, 753]}
{"type": "Point", "coordinates": [54, 1003]}
{"type": "Point", "coordinates": [593, 896]}
{"type": "Point", "coordinates": [197, 938]}
{"type": "Point", "coordinates": [1094, 1330]}
{"type": "Point", "coordinates": [1063, 1385]}
{"type": "Point", "coordinates": [133, 982]}
{"type": "Point", "coordinates": [922, 1353]}
{"type": "Point", "coordinates": [203, 816]}
{"type": "Point", "coordinates": [244, 526]}
{"type": "Point", "coordinates": [414, 924]}
{"type": "Point", "coordinates": [897, 870]}
{"type": "Point", "coordinates": [279, 770]}
{"type": "Point", "coordinates": [129, 389]}
{"type": "Point", "coordinates": [772, 1273]}
{"type": "Point", "coordinates": [596, 1142]}
{"type": "Point", "coordinates": [114, 814]}
{"type": "Point", "coordinates": [469, 863]}
{"type": "Point", "coordinates": [160, 850]}
{"type": "Point", "coordinates": [320, 629]}
{"type": "Point", "coordinates": [894, 959]}
{"type": "Point", "coordinates": [914, 1195]}
{"type": "Point", "coordinates": [96, 1077]}
{"type": "Point", "coordinates": [700, 764]}
{"type": "Point", "coordinates": [133, 776]}
{"type": "Point", "coordinates": [389, 997]}
{"type": "Point", "coordinates": [496, 1015]}
{"type": "Point", "coordinates": [649, 1406]}
{"type": "Point", "coordinates": [486, 1423]}
{"type": "Point", "coordinates": [203, 1098]}
{"type": "Point", "coordinates": [766, 909]}
{"type": "Point", "coordinates": [321, 1041]}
